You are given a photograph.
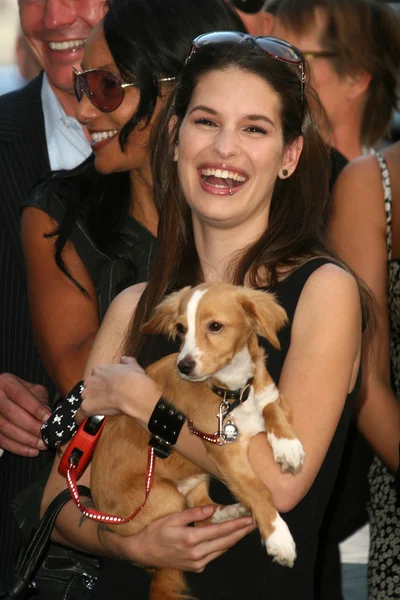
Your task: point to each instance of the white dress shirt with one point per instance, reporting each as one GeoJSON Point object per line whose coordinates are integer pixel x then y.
{"type": "Point", "coordinates": [66, 142]}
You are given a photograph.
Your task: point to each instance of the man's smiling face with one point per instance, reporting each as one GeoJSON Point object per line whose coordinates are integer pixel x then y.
{"type": "Point", "coordinates": [56, 30]}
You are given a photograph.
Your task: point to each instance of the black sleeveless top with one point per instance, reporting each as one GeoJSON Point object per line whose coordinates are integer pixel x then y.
{"type": "Point", "coordinates": [246, 569]}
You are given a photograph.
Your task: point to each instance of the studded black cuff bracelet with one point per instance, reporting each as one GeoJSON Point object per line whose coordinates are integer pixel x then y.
{"type": "Point", "coordinates": [165, 425]}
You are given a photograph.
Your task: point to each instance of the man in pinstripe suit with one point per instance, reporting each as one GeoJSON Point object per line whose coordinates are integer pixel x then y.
{"type": "Point", "coordinates": [38, 133]}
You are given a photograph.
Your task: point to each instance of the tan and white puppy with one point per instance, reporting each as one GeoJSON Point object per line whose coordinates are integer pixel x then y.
{"type": "Point", "coordinates": [219, 325]}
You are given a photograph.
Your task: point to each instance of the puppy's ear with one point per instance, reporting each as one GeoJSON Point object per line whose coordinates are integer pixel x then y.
{"type": "Point", "coordinates": [165, 314]}
{"type": "Point", "coordinates": [265, 312]}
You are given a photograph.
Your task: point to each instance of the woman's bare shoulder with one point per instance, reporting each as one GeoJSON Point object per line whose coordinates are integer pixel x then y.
{"type": "Point", "coordinates": [111, 337]}
{"type": "Point", "coordinates": [124, 305]}
{"type": "Point", "coordinates": [332, 290]}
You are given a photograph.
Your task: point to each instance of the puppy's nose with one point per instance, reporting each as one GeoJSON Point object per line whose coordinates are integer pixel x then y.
{"type": "Point", "coordinates": [186, 365]}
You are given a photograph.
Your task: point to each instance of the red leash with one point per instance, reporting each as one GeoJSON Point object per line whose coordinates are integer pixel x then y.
{"type": "Point", "coordinates": [77, 456]}
{"type": "Point", "coordinates": [103, 517]}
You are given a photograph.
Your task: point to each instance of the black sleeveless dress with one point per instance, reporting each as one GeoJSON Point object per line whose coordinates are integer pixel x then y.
{"type": "Point", "coordinates": [246, 570]}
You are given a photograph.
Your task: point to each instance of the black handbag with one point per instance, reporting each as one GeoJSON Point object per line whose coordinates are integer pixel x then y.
{"type": "Point", "coordinates": [36, 564]}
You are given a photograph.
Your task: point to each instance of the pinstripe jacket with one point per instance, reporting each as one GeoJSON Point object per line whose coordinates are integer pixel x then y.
{"type": "Point", "coordinates": [23, 160]}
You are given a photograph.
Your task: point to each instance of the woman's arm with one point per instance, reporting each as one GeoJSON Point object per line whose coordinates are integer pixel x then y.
{"type": "Point", "coordinates": [65, 321]}
{"type": "Point", "coordinates": [358, 233]}
{"type": "Point", "coordinates": [320, 369]}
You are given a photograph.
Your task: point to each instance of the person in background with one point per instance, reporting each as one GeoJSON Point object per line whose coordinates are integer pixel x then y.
{"type": "Point", "coordinates": [365, 231]}
{"type": "Point", "coordinates": [78, 278]}
{"type": "Point", "coordinates": [353, 49]}
{"type": "Point", "coordinates": [252, 14]}
{"type": "Point", "coordinates": [15, 76]}
{"type": "Point", "coordinates": [38, 133]}
{"type": "Point", "coordinates": [27, 63]}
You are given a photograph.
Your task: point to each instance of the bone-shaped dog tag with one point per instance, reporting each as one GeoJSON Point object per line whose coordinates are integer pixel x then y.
{"type": "Point", "coordinates": [220, 417]}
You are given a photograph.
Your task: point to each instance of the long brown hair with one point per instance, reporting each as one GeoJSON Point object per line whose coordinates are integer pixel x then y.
{"type": "Point", "coordinates": [294, 232]}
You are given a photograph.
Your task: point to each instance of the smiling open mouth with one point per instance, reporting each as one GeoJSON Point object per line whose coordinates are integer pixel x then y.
{"type": "Point", "coordinates": [68, 46]}
{"type": "Point", "coordinates": [222, 178]}
{"type": "Point", "coordinates": [98, 136]}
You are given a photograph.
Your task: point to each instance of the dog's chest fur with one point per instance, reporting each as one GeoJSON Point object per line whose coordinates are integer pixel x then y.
{"type": "Point", "coordinates": [248, 417]}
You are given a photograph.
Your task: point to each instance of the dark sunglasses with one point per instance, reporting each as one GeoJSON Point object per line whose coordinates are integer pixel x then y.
{"type": "Point", "coordinates": [274, 47]}
{"type": "Point", "coordinates": [105, 90]}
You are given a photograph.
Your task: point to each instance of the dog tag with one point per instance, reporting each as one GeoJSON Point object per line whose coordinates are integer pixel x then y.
{"type": "Point", "coordinates": [231, 432]}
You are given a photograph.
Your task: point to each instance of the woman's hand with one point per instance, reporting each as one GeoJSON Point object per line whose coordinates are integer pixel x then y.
{"type": "Point", "coordinates": [170, 541]}
{"type": "Point", "coordinates": [117, 389]}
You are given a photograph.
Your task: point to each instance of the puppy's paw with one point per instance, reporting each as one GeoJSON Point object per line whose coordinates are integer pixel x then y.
{"type": "Point", "coordinates": [227, 513]}
{"type": "Point", "coordinates": [280, 543]}
{"type": "Point", "coordinates": [287, 453]}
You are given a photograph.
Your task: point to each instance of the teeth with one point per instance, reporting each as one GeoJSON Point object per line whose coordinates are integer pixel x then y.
{"type": "Point", "coordinates": [223, 174]}
{"type": "Point", "coordinates": [70, 45]}
{"type": "Point", "coordinates": [97, 136]}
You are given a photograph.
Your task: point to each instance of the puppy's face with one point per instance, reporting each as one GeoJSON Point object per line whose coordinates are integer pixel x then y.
{"type": "Point", "coordinates": [215, 322]}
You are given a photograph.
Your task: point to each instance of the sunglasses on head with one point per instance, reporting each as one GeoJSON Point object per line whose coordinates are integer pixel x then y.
{"type": "Point", "coordinates": [104, 89]}
{"type": "Point", "coordinates": [274, 47]}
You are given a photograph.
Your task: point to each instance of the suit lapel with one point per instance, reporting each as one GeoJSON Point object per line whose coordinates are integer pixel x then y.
{"type": "Point", "coordinates": [23, 155]}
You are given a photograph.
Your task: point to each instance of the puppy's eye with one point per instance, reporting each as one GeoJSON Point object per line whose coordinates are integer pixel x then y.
{"type": "Point", "coordinates": [215, 327]}
{"type": "Point", "coordinates": [180, 329]}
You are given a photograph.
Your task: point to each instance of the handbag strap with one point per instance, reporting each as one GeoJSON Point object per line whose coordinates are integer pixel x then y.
{"type": "Point", "coordinates": [31, 557]}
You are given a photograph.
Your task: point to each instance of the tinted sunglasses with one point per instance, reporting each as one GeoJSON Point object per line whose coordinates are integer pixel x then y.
{"type": "Point", "coordinates": [105, 90]}
{"type": "Point", "coordinates": [274, 47]}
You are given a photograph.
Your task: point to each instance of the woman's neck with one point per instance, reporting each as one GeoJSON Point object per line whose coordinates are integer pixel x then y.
{"type": "Point", "coordinates": [217, 247]}
{"type": "Point", "coordinates": [142, 201]}
{"type": "Point", "coordinates": [345, 135]}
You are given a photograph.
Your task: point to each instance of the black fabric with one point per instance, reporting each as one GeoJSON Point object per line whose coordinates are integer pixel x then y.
{"type": "Point", "coordinates": [112, 269]}
{"type": "Point", "coordinates": [338, 162]}
{"type": "Point", "coordinates": [248, 6]}
{"type": "Point", "coordinates": [31, 556]}
{"type": "Point", "coordinates": [246, 570]}
{"type": "Point", "coordinates": [24, 160]}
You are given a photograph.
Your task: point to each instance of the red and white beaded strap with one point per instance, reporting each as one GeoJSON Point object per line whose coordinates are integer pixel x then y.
{"type": "Point", "coordinates": [213, 438]}
{"type": "Point", "coordinates": [103, 517]}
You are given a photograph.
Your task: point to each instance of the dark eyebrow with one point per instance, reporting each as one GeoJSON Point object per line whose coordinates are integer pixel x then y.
{"type": "Point", "coordinates": [211, 111]}
{"type": "Point", "coordinates": [260, 118]}
{"type": "Point", "coordinates": [205, 108]}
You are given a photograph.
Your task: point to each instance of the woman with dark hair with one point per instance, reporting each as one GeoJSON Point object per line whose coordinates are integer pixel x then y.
{"type": "Point", "coordinates": [240, 183]}
{"type": "Point", "coordinates": [99, 221]}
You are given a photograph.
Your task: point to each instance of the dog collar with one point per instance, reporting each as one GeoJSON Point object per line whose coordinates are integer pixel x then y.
{"type": "Point", "coordinates": [226, 433]}
{"type": "Point", "coordinates": [238, 396]}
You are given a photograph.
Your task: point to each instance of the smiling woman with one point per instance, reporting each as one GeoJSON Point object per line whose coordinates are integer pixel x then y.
{"type": "Point", "coordinates": [90, 233]}
{"type": "Point", "coordinates": [263, 231]}
{"type": "Point", "coordinates": [234, 150]}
